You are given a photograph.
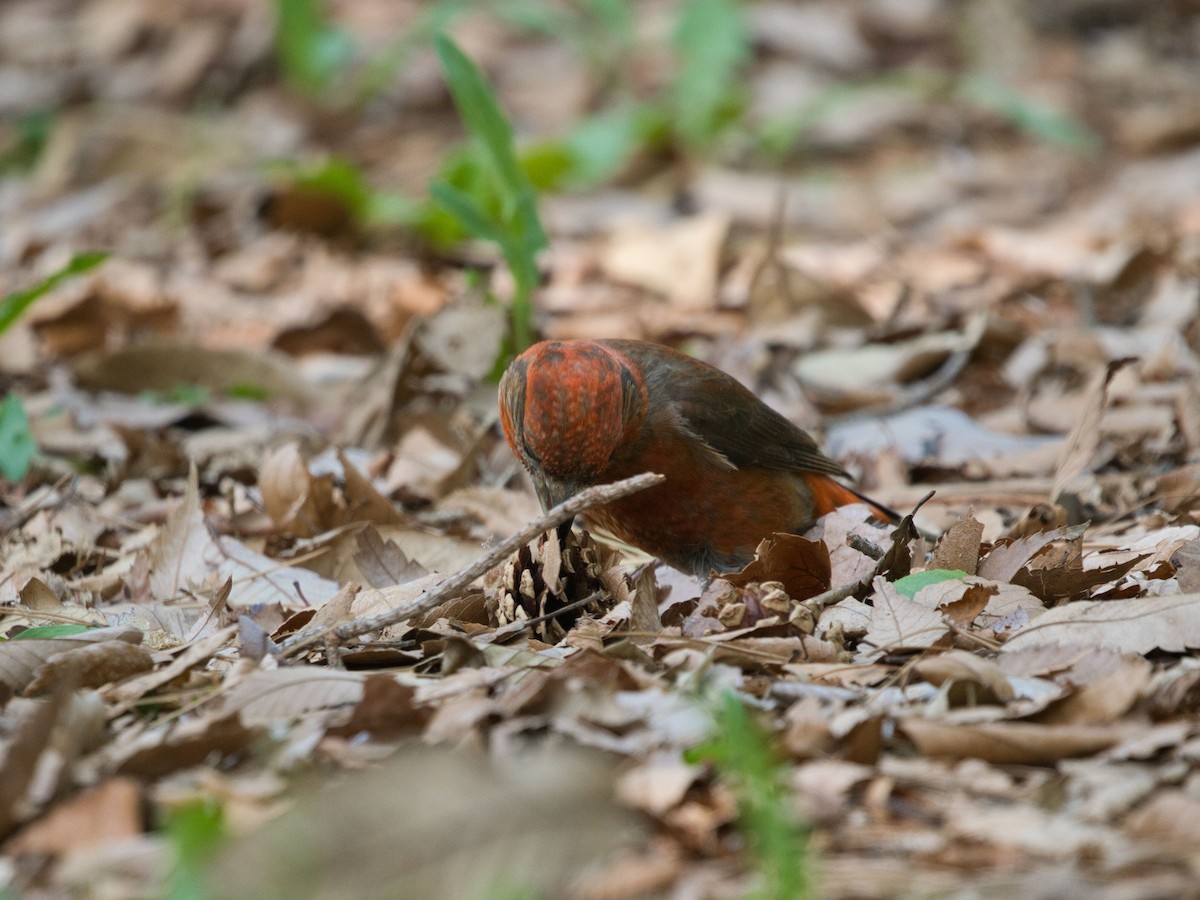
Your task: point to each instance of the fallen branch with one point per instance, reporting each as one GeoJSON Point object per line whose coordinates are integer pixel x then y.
{"type": "Point", "coordinates": [455, 584]}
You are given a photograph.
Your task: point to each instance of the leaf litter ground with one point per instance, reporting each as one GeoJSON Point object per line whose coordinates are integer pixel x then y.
{"type": "Point", "coordinates": [961, 307]}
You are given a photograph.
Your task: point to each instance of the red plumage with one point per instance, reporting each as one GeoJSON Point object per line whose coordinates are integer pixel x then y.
{"type": "Point", "coordinates": [578, 413]}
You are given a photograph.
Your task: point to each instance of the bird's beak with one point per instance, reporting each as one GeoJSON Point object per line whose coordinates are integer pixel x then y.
{"type": "Point", "coordinates": [552, 491]}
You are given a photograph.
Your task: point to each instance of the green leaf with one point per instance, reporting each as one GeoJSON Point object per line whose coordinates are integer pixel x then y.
{"type": "Point", "coordinates": [711, 43]}
{"type": "Point", "coordinates": [196, 831]}
{"type": "Point", "coordinates": [514, 224]}
{"type": "Point", "coordinates": [1029, 115]}
{"type": "Point", "coordinates": [17, 445]}
{"type": "Point", "coordinates": [310, 49]}
{"type": "Point", "coordinates": [16, 303]}
{"type": "Point", "coordinates": [473, 217]}
{"type": "Point", "coordinates": [910, 584]}
{"type": "Point", "coordinates": [50, 631]}
{"type": "Point", "coordinates": [480, 111]}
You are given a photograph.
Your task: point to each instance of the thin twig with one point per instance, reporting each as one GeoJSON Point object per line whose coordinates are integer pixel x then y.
{"type": "Point", "coordinates": [455, 584]}
{"type": "Point", "coordinates": [519, 625]}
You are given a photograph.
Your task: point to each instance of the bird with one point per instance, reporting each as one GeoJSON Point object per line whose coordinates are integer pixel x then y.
{"type": "Point", "coordinates": [578, 413]}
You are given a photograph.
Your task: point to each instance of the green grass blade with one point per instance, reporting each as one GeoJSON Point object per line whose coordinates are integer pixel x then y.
{"type": "Point", "coordinates": [466, 209]}
{"type": "Point", "coordinates": [17, 445]}
{"type": "Point", "coordinates": [711, 42]}
{"type": "Point", "coordinates": [14, 304]}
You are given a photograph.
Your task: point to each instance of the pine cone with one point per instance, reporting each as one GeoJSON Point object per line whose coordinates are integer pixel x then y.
{"type": "Point", "coordinates": [544, 578]}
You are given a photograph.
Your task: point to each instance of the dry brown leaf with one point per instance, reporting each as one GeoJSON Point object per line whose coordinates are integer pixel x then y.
{"type": "Point", "coordinates": [363, 502]}
{"type": "Point", "coordinates": [1170, 623]}
{"type": "Point", "coordinates": [107, 813]}
{"type": "Point", "coordinates": [800, 565]}
{"type": "Point", "coordinates": [383, 564]}
{"type": "Point", "coordinates": [1103, 695]}
{"type": "Point", "coordinates": [30, 737]}
{"type": "Point", "coordinates": [89, 666]}
{"type": "Point", "coordinates": [293, 497]}
{"type": "Point", "coordinates": [161, 751]}
{"type": "Point", "coordinates": [20, 660]}
{"type": "Point", "coordinates": [958, 548]}
{"type": "Point", "coordinates": [126, 693]}
{"type": "Point", "coordinates": [1010, 743]}
{"type": "Point", "coordinates": [1004, 561]}
{"type": "Point", "coordinates": [1084, 439]}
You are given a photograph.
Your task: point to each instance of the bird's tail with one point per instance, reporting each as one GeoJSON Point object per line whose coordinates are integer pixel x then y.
{"type": "Point", "coordinates": [828, 495]}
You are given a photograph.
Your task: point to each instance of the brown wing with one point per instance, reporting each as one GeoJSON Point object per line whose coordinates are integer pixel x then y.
{"type": "Point", "coordinates": [726, 415]}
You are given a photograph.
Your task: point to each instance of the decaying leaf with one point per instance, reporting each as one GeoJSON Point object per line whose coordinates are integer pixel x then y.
{"type": "Point", "coordinates": [466, 825]}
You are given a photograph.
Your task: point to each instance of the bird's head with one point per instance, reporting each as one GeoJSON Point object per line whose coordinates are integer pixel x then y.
{"type": "Point", "coordinates": [566, 407]}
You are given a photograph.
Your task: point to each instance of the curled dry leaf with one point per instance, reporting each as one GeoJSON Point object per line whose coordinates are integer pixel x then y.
{"type": "Point", "coordinates": [21, 660]}
{"type": "Point", "coordinates": [802, 567]}
{"type": "Point", "coordinates": [293, 497]}
{"type": "Point", "coordinates": [984, 679]}
{"type": "Point", "coordinates": [1010, 743]}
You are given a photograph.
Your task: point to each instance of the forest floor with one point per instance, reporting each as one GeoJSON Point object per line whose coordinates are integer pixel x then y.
{"type": "Point", "coordinates": [959, 242]}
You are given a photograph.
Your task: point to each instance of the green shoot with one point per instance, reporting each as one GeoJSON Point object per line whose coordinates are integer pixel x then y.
{"type": "Point", "coordinates": [16, 303]}
{"type": "Point", "coordinates": [311, 50]}
{"type": "Point", "coordinates": [17, 446]}
{"type": "Point", "coordinates": [711, 43]}
{"type": "Point", "coordinates": [195, 831]}
{"type": "Point", "coordinates": [741, 752]}
{"type": "Point", "coordinates": [513, 225]}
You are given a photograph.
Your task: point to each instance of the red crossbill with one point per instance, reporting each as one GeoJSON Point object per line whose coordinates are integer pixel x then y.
{"type": "Point", "coordinates": [578, 413]}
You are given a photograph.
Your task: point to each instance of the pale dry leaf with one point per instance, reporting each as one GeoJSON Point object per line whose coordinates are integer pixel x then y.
{"type": "Point", "coordinates": [657, 784]}
{"type": "Point", "coordinates": [20, 660]}
{"type": "Point", "coordinates": [269, 695]}
{"type": "Point", "coordinates": [1010, 609]}
{"type": "Point", "coordinates": [179, 556]}
{"type": "Point", "coordinates": [1171, 818]}
{"type": "Point", "coordinates": [680, 260]}
{"type": "Point", "coordinates": [962, 667]}
{"type": "Point", "coordinates": [899, 623]}
{"type": "Point", "coordinates": [1140, 625]}
{"type": "Point", "coordinates": [259, 581]}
